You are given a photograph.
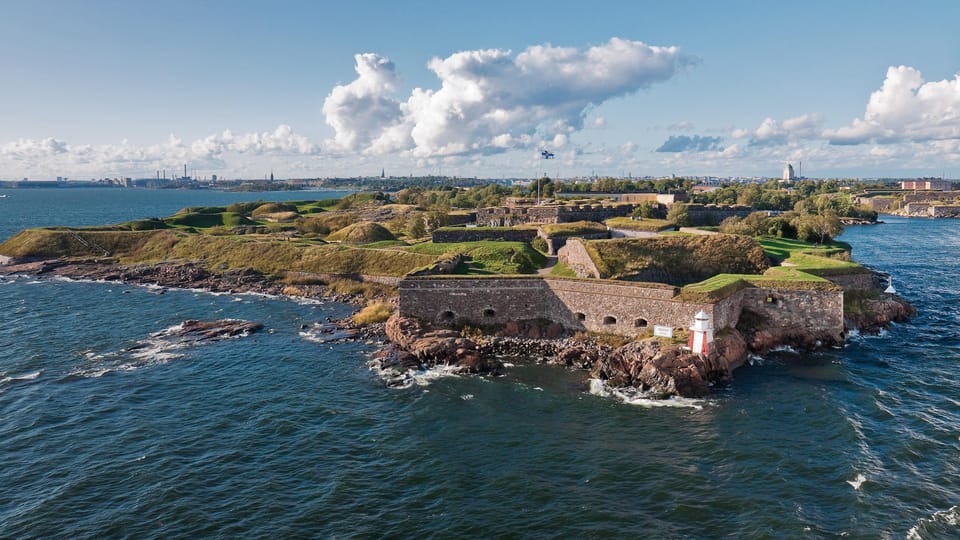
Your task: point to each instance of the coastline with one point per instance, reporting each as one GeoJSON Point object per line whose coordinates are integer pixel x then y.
{"type": "Point", "coordinates": [653, 368]}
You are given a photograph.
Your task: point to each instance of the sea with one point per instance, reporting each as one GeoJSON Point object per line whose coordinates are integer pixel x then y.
{"type": "Point", "coordinates": [108, 429]}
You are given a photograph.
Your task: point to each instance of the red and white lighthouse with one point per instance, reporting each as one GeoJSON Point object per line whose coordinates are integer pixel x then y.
{"type": "Point", "coordinates": [701, 334]}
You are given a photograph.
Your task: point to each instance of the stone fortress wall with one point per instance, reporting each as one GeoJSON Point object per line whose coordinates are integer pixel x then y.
{"type": "Point", "coordinates": [453, 235]}
{"type": "Point", "coordinates": [623, 308]}
{"type": "Point", "coordinates": [506, 216]}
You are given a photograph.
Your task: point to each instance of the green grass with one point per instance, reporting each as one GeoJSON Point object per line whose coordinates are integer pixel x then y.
{"type": "Point", "coordinates": [384, 244]}
{"type": "Point", "coordinates": [207, 220]}
{"type": "Point", "coordinates": [648, 225]}
{"type": "Point", "coordinates": [676, 259]}
{"type": "Point", "coordinates": [562, 270]}
{"type": "Point", "coordinates": [780, 249]}
{"type": "Point", "coordinates": [489, 256]}
{"type": "Point", "coordinates": [573, 229]}
{"type": "Point", "coordinates": [364, 232]}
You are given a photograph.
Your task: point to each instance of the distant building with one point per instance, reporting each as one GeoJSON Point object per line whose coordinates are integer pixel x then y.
{"type": "Point", "coordinates": [927, 184]}
{"type": "Point", "coordinates": [788, 174]}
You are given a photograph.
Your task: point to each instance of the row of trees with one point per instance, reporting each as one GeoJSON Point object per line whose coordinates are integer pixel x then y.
{"type": "Point", "coordinates": [819, 228]}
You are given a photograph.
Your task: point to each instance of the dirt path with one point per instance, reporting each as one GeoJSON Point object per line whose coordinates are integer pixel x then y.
{"type": "Point", "coordinates": [551, 262]}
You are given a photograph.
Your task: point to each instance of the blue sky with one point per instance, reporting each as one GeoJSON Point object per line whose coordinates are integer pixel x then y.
{"type": "Point", "coordinates": [236, 88]}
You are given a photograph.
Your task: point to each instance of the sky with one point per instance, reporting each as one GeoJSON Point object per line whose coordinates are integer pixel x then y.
{"type": "Point", "coordinates": [477, 89]}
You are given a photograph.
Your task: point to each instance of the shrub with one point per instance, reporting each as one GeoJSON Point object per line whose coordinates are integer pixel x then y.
{"type": "Point", "coordinates": [273, 208]}
{"type": "Point", "coordinates": [244, 208]}
{"type": "Point", "coordinates": [539, 244]}
{"type": "Point", "coordinates": [374, 312]}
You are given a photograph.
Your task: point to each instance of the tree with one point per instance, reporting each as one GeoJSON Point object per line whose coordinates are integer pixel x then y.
{"type": "Point", "coordinates": [679, 214]}
{"type": "Point", "coordinates": [415, 226]}
{"type": "Point", "coordinates": [646, 210]}
{"type": "Point", "coordinates": [436, 219]}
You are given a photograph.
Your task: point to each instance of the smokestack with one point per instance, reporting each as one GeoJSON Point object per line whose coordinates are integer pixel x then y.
{"type": "Point", "coordinates": [800, 169]}
{"type": "Point", "coordinates": [184, 170]}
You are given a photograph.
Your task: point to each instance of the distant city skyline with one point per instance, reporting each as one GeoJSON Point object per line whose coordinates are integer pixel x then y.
{"type": "Point", "coordinates": [308, 89]}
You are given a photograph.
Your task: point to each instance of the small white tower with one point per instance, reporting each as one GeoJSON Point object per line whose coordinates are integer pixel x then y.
{"type": "Point", "coordinates": [701, 334]}
{"type": "Point", "coordinates": [890, 289]}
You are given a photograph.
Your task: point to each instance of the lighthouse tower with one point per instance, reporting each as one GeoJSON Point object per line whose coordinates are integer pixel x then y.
{"type": "Point", "coordinates": [701, 334]}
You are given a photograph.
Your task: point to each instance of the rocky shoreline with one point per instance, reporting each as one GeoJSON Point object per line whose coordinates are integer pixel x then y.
{"type": "Point", "coordinates": [656, 368]}
{"type": "Point", "coordinates": [176, 275]}
{"type": "Point", "coordinates": [189, 275]}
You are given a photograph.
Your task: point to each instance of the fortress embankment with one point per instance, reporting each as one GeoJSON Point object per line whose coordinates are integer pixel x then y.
{"type": "Point", "coordinates": [623, 308]}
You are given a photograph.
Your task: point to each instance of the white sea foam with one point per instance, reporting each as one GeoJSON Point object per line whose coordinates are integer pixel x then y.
{"type": "Point", "coordinates": [941, 524]}
{"type": "Point", "coordinates": [395, 378]}
{"type": "Point", "coordinates": [33, 375]}
{"type": "Point", "coordinates": [857, 482]}
{"type": "Point", "coordinates": [786, 349]}
{"type": "Point", "coordinates": [466, 397]}
{"type": "Point", "coordinates": [755, 359]}
{"type": "Point", "coordinates": [633, 396]}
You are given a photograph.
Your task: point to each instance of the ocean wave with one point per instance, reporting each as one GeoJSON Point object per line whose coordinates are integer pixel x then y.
{"type": "Point", "coordinates": [400, 380]}
{"type": "Point", "coordinates": [158, 348]}
{"type": "Point", "coordinates": [30, 376]}
{"type": "Point", "coordinates": [755, 359]}
{"type": "Point", "coordinates": [634, 396]}
{"type": "Point", "coordinates": [941, 524]}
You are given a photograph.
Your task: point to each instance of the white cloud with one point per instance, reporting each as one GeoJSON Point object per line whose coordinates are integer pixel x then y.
{"type": "Point", "coordinates": [360, 111]}
{"type": "Point", "coordinates": [681, 126]}
{"type": "Point", "coordinates": [906, 108]}
{"type": "Point", "coordinates": [772, 132]}
{"type": "Point", "coordinates": [487, 95]}
{"type": "Point", "coordinates": [45, 156]}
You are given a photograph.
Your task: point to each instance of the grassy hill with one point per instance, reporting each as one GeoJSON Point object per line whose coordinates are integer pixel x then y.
{"type": "Point", "coordinates": [677, 260]}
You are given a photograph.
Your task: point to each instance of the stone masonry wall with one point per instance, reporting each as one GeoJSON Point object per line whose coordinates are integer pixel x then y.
{"type": "Point", "coordinates": [859, 281]}
{"type": "Point", "coordinates": [615, 308]}
{"type": "Point", "coordinates": [945, 210]}
{"type": "Point", "coordinates": [477, 234]}
{"type": "Point", "coordinates": [574, 254]}
{"type": "Point", "coordinates": [797, 310]}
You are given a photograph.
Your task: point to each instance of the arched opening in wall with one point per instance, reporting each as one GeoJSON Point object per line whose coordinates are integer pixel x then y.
{"type": "Point", "coordinates": [489, 312]}
{"type": "Point", "coordinates": [640, 323]}
{"type": "Point", "coordinates": [609, 320]}
{"type": "Point", "coordinates": [581, 317]}
{"type": "Point", "coordinates": [447, 316]}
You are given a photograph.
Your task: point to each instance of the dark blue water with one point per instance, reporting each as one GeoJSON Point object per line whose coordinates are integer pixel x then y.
{"type": "Point", "coordinates": [275, 435]}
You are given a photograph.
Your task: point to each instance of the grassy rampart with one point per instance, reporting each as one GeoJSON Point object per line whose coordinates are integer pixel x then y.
{"type": "Point", "coordinates": [677, 259]}
{"type": "Point", "coordinates": [646, 225]}
{"type": "Point", "coordinates": [270, 256]}
{"type": "Point", "coordinates": [488, 256]}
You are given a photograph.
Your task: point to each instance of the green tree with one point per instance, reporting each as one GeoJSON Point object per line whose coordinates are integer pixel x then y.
{"type": "Point", "coordinates": [416, 228]}
{"type": "Point", "coordinates": [679, 214]}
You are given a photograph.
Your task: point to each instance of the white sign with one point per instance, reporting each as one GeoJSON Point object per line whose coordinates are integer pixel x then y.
{"type": "Point", "coordinates": [663, 331]}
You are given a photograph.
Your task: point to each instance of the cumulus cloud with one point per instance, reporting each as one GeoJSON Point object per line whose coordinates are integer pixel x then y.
{"type": "Point", "coordinates": [490, 100]}
{"type": "Point", "coordinates": [906, 108]}
{"type": "Point", "coordinates": [774, 132]}
{"type": "Point", "coordinates": [685, 143]}
{"type": "Point", "coordinates": [55, 155]}
{"type": "Point", "coordinates": [360, 111]}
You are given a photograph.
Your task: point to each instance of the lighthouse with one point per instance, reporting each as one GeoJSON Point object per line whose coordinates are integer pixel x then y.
{"type": "Point", "coordinates": [701, 334]}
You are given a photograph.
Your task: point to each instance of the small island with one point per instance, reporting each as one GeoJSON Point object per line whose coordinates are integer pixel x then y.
{"type": "Point", "coordinates": [657, 292]}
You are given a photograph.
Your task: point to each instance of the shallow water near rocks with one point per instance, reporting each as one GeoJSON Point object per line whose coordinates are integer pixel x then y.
{"type": "Point", "coordinates": [278, 435]}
